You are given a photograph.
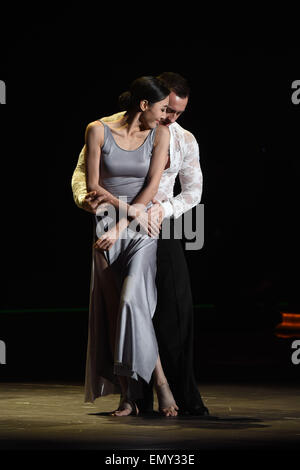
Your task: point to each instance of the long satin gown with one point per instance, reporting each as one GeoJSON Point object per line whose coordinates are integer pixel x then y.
{"type": "Point", "coordinates": [132, 269]}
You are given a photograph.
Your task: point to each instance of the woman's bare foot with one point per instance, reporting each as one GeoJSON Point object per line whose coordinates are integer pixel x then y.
{"type": "Point", "coordinates": [126, 408]}
{"type": "Point", "coordinates": [166, 403]}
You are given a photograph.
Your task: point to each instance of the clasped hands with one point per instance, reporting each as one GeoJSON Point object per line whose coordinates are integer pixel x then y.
{"type": "Point", "coordinates": [150, 221]}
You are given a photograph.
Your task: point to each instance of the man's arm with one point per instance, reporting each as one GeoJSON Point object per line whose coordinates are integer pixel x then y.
{"type": "Point", "coordinates": [191, 180]}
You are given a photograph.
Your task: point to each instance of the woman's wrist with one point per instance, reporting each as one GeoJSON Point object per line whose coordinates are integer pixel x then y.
{"type": "Point", "coordinates": [122, 224]}
{"type": "Point", "coordinates": [133, 212]}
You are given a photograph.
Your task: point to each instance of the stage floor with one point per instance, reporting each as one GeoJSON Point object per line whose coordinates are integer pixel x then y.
{"type": "Point", "coordinates": [46, 416]}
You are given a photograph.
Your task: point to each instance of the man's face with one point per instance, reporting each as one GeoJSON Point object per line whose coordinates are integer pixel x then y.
{"type": "Point", "coordinates": [175, 108]}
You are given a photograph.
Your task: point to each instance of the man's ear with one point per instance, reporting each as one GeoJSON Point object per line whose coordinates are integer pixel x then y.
{"type": "Point", "coordinates": [144, 105]}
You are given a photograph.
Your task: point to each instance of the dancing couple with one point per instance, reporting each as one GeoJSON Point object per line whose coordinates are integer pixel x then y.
{"type": "Point", "coordinates": [141, 312]}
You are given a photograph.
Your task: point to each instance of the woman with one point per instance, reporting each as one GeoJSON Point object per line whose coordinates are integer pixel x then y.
{"type": "Point", "coordinates": [126, 158]}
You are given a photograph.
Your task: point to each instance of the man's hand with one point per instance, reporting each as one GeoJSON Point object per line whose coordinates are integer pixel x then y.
{"type": "Point", "coordinates": [149, 225]}
{"type": "Point", "coordinates": [92, 201]}
{"type": "Point", "coordinates": [148, 221]}
{"type": "Point", "coordinates": [156, 212]}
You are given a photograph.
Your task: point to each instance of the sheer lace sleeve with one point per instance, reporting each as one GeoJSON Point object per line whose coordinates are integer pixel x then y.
{"type": "Point", "coordinates": [78, 180]}
{"type": "Point", "coordinates": [190, 177]}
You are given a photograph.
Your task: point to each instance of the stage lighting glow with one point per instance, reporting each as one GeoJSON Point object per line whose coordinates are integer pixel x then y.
{"type": "Point", "coordinates": [289, 326]}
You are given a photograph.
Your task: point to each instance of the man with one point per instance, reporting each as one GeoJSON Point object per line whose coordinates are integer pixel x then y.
{"type": "Point", "coordinates": [173, 319]}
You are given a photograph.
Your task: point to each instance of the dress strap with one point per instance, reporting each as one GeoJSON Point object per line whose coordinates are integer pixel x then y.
{"type": "Point", "coordinates": [105, 129]}
{"type": "Point", "coordinates": [152, 136]}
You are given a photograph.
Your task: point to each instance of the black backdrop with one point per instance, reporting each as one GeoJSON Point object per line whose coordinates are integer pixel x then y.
{"type": "Point", "coordinates": [65, 69]}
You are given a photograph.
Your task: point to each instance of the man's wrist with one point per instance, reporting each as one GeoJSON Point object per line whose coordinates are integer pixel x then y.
{"type": "Point", "coordinates": [168, 209]}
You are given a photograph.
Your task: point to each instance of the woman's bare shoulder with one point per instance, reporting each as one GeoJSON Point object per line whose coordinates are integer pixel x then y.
{"type": "Point", "coordinates": [95, 131]}
{"type": "Point", "coordinates": [95, 125]}
{"type": "Point", "coordinates": [162, 133]}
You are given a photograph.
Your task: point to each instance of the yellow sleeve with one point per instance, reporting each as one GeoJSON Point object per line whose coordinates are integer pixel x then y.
{"type": "Point", "coordinates": [78, 180]}
{"type": "Point", "coordinates": [113, 117]}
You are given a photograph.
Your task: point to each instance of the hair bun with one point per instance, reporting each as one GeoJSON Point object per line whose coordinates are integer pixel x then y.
{"type": "Point", "coordinates": [125, 100]}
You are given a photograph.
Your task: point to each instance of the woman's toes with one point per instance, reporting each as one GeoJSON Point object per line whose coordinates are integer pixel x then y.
{"type": "Point", "coordinates": [127, 409]}
{"type": "Point", "coordinates": [125, 412]}
{"type": "Point", "coordinates": [171, 411]}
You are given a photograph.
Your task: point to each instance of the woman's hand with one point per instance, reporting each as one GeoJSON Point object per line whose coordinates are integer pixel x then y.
{"type": "Point", "coordinates": [109, 238]}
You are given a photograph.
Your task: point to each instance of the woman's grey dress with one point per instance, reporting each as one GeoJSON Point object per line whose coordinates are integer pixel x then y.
{"type": "Point", "coordinates": [132, 260]}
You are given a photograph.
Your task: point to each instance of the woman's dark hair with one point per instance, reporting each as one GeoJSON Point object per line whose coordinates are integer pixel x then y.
{"type": "Point", "coordinates": [151, 89]}
{"type": "Point", "coordinates": [176, 83]}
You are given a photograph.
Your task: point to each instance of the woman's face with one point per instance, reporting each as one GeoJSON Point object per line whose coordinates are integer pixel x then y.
{"type": "Point", "coordinates": [154, 113]}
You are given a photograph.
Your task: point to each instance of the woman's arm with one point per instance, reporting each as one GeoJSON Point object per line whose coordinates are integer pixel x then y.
{"type": "Point", "coordinates": [94, 139]}
{"type": "Point", "coordinates": [81, 197]}
{"type": "Point", "coordinates": [150, 224]}
{"type": "Point", "coordinates": [158, 162]}
{"type": "Point", "coordinates": [150, 221]}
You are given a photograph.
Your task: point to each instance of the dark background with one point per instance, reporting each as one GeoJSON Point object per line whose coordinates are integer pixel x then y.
{"type": "Point", "coordinates": [64, 69]}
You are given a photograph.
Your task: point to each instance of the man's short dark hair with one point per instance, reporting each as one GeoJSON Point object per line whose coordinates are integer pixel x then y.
{"type": "Point", "coordinates": [176, 83]}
